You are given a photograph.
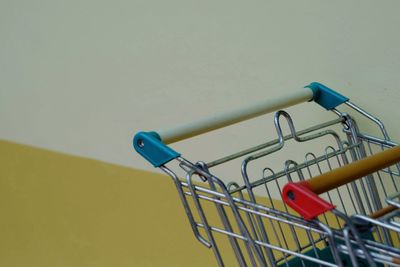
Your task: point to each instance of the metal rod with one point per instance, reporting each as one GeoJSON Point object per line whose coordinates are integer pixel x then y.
{"type": "Point", "coordinates": [270, 143]}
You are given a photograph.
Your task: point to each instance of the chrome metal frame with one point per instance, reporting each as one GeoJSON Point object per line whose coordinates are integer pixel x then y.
{"type": "Point", "coordinates": [263, 232]}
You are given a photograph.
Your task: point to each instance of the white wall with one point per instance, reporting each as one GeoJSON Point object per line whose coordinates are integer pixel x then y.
{"type": "Point", "coordinates": [83, 76]}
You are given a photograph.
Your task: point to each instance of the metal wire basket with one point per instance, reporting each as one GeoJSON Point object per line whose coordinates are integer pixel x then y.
{"type": "Point", "coordinates": [340, 204]}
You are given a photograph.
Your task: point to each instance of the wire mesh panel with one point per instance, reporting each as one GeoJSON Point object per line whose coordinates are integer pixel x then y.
{"type": "Point", "coordinates": [357, 222]}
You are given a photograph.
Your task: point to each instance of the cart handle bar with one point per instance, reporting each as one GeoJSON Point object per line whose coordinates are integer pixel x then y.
{"type": "Point", "coordinates": [152, 145]}
{"type": "Point", "coordinates": [303, 196]}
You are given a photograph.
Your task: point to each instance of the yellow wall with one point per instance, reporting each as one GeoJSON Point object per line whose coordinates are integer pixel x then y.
{"type": "Point", "coordinates": [60, 210]}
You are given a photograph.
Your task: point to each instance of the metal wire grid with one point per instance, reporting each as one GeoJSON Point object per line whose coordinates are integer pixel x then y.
{"type": "Point", "coordinates": [264, 231]}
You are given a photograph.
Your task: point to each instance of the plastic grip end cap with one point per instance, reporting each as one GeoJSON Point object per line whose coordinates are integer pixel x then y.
{"type": "Point", "coordinates": [325, 96]}
{"type": "Point", "coordinates": [150, 146]}
{"type": "Point", "coordinates": [300, 198]}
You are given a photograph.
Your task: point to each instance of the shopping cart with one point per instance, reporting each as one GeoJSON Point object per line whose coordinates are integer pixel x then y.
{"type": "Point", "coordinates": [340, 204]}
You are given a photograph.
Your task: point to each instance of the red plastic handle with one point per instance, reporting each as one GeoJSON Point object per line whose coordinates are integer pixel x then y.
{"type": "Point", "coordinates": [303, 196]}
{"type": "Point", "coordinates": [308, 204]}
